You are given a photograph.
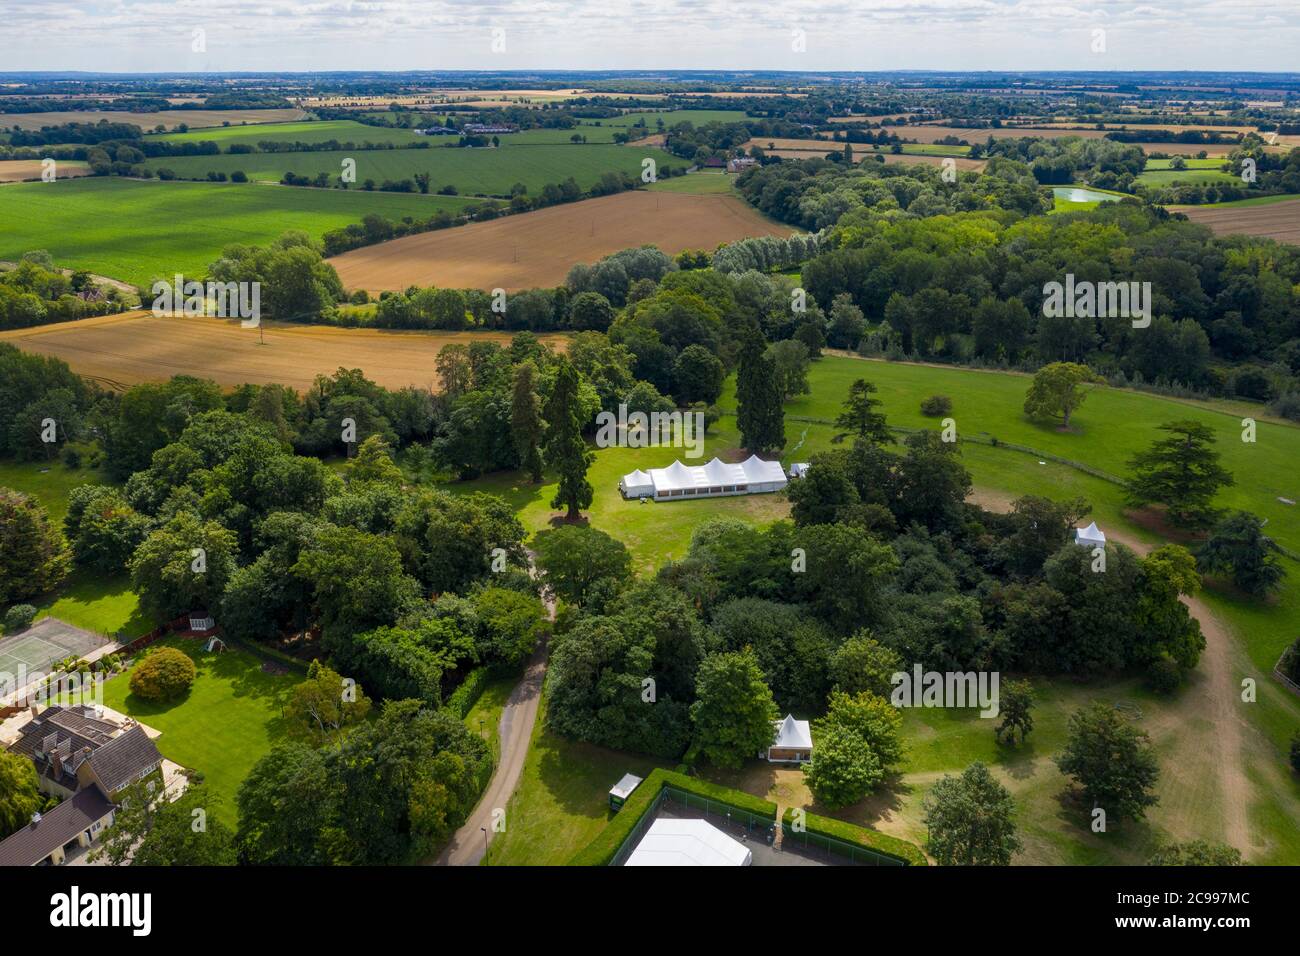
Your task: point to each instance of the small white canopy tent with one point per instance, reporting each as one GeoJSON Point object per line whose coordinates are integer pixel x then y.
{"type": "Point", "coordinates": [636, 484]}
{"type": "Point", "coordinates": [793, 741]}
{"type": "Point", "coordinates": [716, 478]}
{"type": "Point", "coordinates": [673, 842]}
{"type": "Point", "coordinates": [799, 469]}
{"type": "Point", "coordinates": [1090, 537]}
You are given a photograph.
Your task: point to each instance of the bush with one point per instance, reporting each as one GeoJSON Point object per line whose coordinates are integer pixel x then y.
{"type": "Point", "coordinates": [163, 675]}
{"type": "Point", "coordinates": [71, 458]}
{"type": "Point", "coordinates": [936, 405]}
{"type": "Point", "coordinates": [19, 617]}
{"type": "Point", "coordinates": [467, 694]}
{"type": "Point", "coordinates": [1164, 675]}
{"type": "Point", "coordinates": [1287, 406]}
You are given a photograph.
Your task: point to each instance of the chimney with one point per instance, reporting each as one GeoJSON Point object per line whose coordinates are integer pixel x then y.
{"type": "Point", "coordinates": [36, 818]}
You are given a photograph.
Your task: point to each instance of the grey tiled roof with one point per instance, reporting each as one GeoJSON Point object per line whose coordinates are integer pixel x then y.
{"type": "Point", "coordinates": [36, 841]}
{"type": "Point", "coordinates": [124, 758]}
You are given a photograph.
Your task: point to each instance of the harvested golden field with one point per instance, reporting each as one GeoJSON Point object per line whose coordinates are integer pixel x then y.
{"type": "Point", "coordinates": [1279, 220]}
{"type": "Point", "coordinates": [21, 170]}
{"type": "Point", "coordinates": [122, 350]}
{"type": "Point", "coordinates": [538, 248]}
{"type": "Point", "coordinates": [147, 121]}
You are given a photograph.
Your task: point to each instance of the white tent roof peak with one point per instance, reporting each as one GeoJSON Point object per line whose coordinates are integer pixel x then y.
{"type": "Point", "coordinates": [793, 734]}
{"type": "Point", "coordinates": [684, 842]}
{"type": "Point", "coordinates": [1090, 534]}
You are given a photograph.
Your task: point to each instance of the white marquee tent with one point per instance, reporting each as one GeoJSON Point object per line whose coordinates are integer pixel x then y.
{"type": "Point", "coordinates": [1091, 536]}
{"type": "Point", "coordinates": [673, 842]}
{"type": "Point", "coordinates": [751, 476]}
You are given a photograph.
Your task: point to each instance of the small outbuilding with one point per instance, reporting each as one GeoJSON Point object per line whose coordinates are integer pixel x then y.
{"type": "Point", "coordinates": [792, 742]}
{"type": "Point", "coordinates": [1090, 537]}
{"type": "Point", "coordinates": [799, 469]}
{"type": "Point", "coordinates": [201, 622]}
{"type": "Point", "coordinates": [619, 793]}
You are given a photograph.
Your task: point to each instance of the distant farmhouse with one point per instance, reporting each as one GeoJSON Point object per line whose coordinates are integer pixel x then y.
{"type": "Point", "coordinates": [740, 164]}
{"type": "Point", "coordinates": [716, 479]}
{"type": "Point", "coordinates": [487, 129]}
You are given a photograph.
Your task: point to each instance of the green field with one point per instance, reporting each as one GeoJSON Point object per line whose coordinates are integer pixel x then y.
{"type": "Point", "coordinates": [138, 230]}
{"type": "Point", "coordinates": [1167, 177]}
{"type": "Point", "coordinates": [345, 131]}
{"type": "Point", "coordinates": [484, 171]}
{"type": "Point", "coordinates": [1209, 163]}
{"type": "Point", "coordinates": [228, 721]}
{"type": "Point", "coordinates": [698, 183]}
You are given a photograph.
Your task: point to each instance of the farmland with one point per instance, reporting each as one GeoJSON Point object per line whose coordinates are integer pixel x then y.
{"type": "Point", "coordinates": [119, 350]}
{"type": "Point", "coordinates": [1278, 219]}
{"type": "Point", "coordinates": [538, 248]}
{"type": "Point", "coordinates": [483, 171]}
{"type": "Point", "coordinates": [138, 230]}
{"type": "Point", "coordinates": [301, 132]}
{"type": "Point", "coordinates": [147, 121]}
{"type": "Point", "coordinates": [21, 170]}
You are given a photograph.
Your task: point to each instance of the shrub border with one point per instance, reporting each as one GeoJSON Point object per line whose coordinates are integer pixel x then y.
{"type": "Point", "coordinates": [907, 853]}
{"type": "Point", "coordinates": [601, 850]}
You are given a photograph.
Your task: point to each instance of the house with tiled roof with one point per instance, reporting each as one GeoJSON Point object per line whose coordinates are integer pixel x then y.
{"type": "Point", "coordinates": [76, 747]}
{"type": "Point", "coordinates": [50, 837]}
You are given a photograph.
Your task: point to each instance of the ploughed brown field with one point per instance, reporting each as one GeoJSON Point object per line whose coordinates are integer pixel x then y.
{"type": "Point", "coordinates": [194, 119]}
{"type": "Point", "coordinates": [1279, 220]}
{"type": "Point", "coordinates": [122, 350]}
{"type": "Point", "coordinates": [21, 170]}
{"type": "Point", "coordinates": [538, 248]}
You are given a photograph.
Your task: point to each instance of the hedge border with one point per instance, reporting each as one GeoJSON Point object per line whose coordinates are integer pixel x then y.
{"type": "Point", "coordinates": [907, 853]}
{"type": "Point", "coordinates": [601, 850]}
{"type": "Point", "coordinates": [462, 700]}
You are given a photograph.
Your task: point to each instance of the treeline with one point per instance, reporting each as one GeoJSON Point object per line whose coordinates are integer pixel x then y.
{"type": "Point", "coordinates": [1060, 161]}
{"type": "Point", "coordinates": [816, 193]}
{"type": "Point", "coordinates": [35, 292]}
{"type": "Point", "coordinates": [972, 287]}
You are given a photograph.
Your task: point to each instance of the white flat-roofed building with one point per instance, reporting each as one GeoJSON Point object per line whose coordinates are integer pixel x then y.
{"type": "Point", "coordinates": [674, 842]}
{"type": "Point", "coordinates": [712, 480]}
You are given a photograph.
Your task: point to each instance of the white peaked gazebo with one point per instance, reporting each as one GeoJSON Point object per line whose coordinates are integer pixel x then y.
{"type": "Point", "coordinates": [717, 478]}
{"type": "Point", "coordinates": [793, 743]}
{"type": "Point", "coordinates": [1090, 537]}
{"type": "Point", "coordinates": [799, 469]}
{"type": "Point", "coordinates": [674, 842]}
{"type": "Point", "coordinates": [636, 485]}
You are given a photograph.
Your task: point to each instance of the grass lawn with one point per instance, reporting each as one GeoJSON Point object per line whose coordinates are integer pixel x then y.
{"type": "Point", "coordinates": [138, 230]}
{"type": "Point", "coordinates": [480, 171]}
{"type": "Point", "coordinates": [226, 723]}
{"type": "Point", "coordinates": [562, 800]}
{"type": "Point", "coordinates": [1167, 177]}
{"type": "Point", "coordinates": [484, 717]}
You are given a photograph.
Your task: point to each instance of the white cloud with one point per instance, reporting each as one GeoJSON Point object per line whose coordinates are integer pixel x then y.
{"type": "Point", "coordinates": [154, 35]}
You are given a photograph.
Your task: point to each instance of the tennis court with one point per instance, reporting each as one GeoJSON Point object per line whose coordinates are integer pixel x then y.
{"type": "Point", "coordinates": [45, 642]}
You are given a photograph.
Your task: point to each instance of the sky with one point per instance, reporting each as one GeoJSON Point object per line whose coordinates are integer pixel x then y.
{"type": "Point", "coordinates": [291, 35]}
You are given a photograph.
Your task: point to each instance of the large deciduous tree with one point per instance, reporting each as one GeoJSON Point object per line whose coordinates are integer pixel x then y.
{"type": "Point", "coordinates": [734, 711]}
{"type": "Point", "coordinates": [1057, 391]}
{"type": "Point", "coordinates": [1111, 760]}
{"type": "Point", "coordinates": [1238, 547]}
{"type": "Point", "coordinates": [971, 820]}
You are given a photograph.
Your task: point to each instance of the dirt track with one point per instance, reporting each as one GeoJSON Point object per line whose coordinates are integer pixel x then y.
{"type": "Point", "coordinates": [538, 248]}
{"type": "Point", "coordinates": [122, 350]}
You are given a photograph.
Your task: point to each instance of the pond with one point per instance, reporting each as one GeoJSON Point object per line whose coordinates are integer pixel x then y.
{"type": "Point", "coordinates": [1080, 194]}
